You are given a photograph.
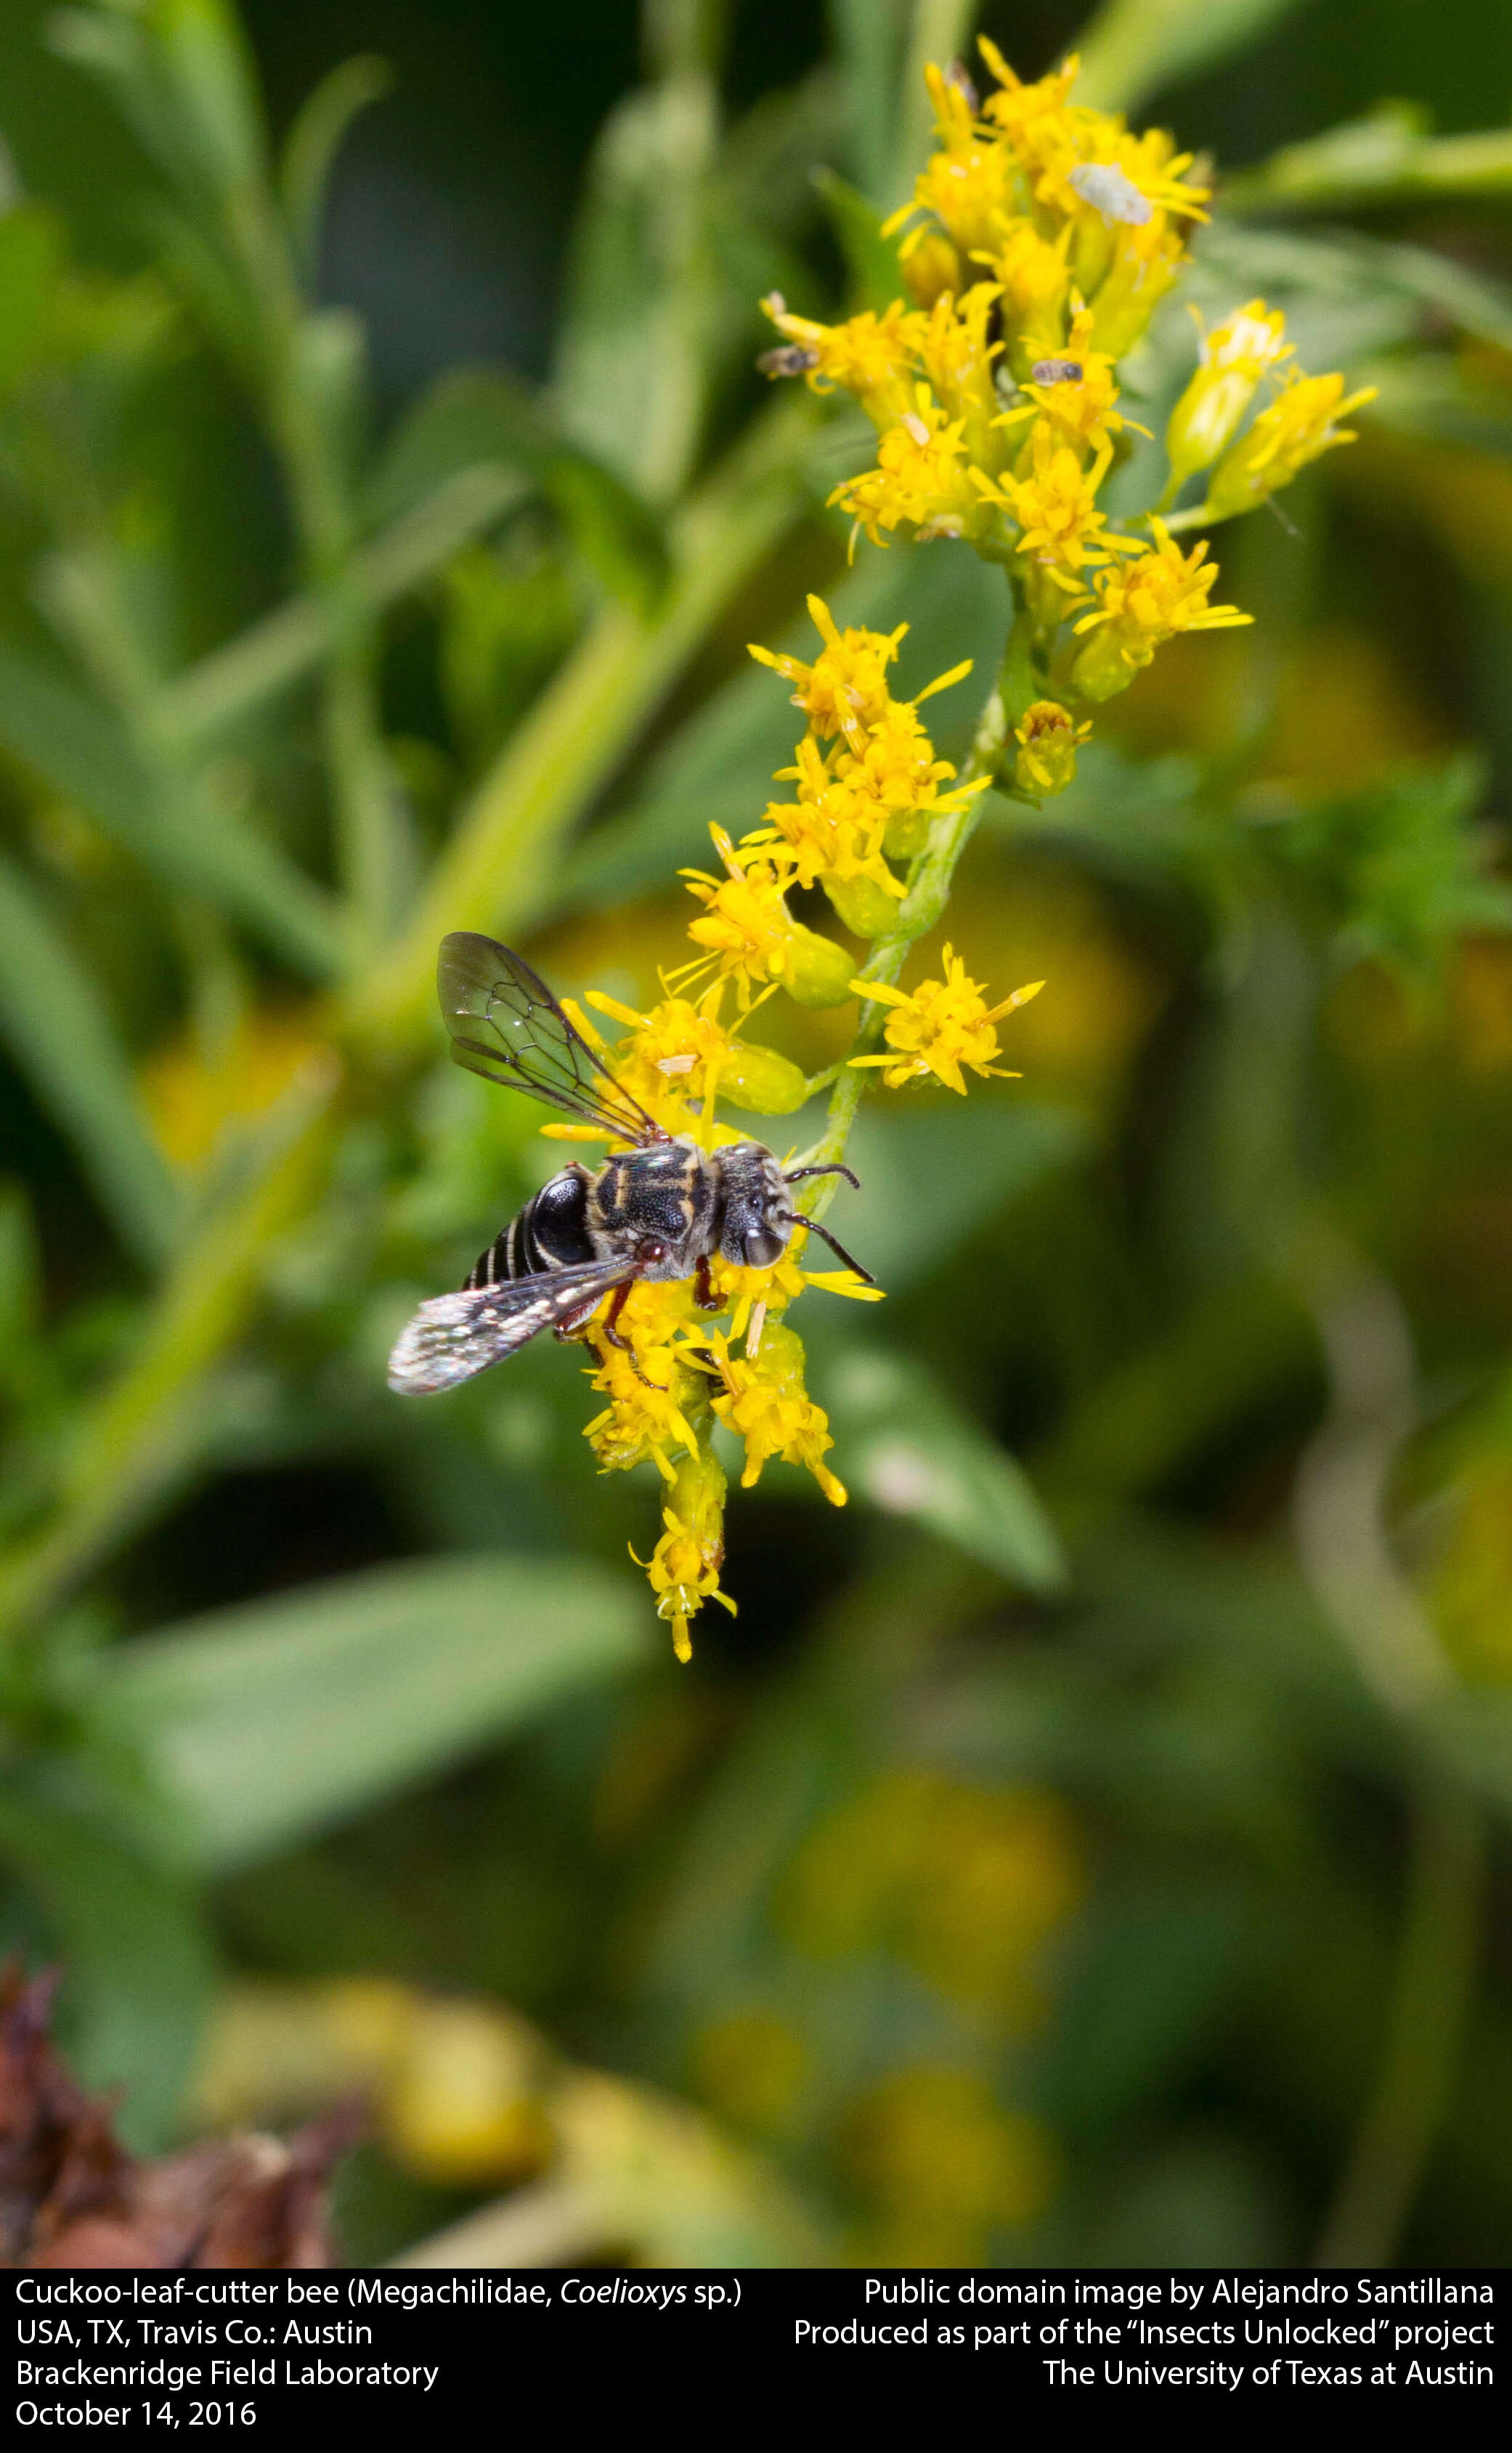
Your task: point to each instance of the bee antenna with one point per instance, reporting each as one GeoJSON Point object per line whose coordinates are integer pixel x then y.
{"type": "Point", "coordinates": [796, 1218]}
{"type": "Point", "coordinates": [796, 1174]}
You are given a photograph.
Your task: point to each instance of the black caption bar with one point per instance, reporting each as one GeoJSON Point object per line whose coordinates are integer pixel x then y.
{"type": "Point", "coordinates": [150, 2351]}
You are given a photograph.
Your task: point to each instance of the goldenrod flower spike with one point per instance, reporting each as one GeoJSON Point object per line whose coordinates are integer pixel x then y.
{"type": "Point", "coordinates": [1039, 240]}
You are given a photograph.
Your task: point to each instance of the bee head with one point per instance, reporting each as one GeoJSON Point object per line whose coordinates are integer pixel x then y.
{"type": "Point", "coordinates": [756, 1230]}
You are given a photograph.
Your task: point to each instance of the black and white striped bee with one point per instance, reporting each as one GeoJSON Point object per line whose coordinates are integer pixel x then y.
{"type": "Point", "coordinates": [660, 1209]}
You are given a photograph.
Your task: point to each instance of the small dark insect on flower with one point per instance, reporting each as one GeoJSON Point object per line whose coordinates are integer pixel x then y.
{"type": "Point", "coordinates": [662, 1209]}
{"type": "Point", "coordinates": [1056, 371]}
{"type": "Point", "coordinates": [956, 74]}
{"type": "Point", "coordinates": [791, 359]}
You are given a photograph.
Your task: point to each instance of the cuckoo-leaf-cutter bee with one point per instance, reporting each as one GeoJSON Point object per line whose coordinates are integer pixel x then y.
{"type": "Point", "coordinates": [662, 1208]}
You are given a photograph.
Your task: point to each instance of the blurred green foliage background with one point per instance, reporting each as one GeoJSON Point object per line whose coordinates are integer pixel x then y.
{"type": "Point", "coordinates": [1089, 1847]}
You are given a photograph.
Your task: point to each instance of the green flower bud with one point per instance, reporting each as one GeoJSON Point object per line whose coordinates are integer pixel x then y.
{"type": "Point", "coordinates": [1105, 666]}
{"type": "Point", "coordinates": [867, 908]}
{"type": "Point", "coordinates": [760, 1080]}
{"type": "Point", "coordinates": [907, 832]}
{"type": "Point", "coordinates": [817, 973]}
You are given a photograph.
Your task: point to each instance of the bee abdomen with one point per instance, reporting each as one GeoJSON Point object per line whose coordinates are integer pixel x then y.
{"type": "Point", "coordinates": [550, 1232]}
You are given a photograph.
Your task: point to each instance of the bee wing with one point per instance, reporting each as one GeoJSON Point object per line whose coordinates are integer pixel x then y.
{"type": "Point", "coordinates": [507, 1024]}
{"type": "Point", "coordinates": [453, 1336]}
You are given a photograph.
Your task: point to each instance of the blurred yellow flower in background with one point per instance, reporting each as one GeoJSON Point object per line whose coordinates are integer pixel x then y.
{"type": "Point", "coordinates": [193, 1096]}
{"type": "Point", "coordinates": [941, 2166]}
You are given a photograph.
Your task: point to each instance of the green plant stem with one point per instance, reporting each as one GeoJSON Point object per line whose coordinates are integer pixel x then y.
{"type": "Point", "coordinates": [366, 817]}
{"type": "Point", "coordinates": [1434, 1985]}
{"type": "Point", "coordinates": [923, 906]}
{"type": "Point", "coordinates": [495, 872]}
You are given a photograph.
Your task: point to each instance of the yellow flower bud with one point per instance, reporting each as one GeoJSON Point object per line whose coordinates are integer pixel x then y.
{"type": "Point", "coordinates": [931, 265]}
{"type": "Point", "coordinates": [1236, 354]}
{"type": "Point", "coordinates": [1048, 740]}
{"type": "Point", "coordinates": [760, 1080]}
{"type": "Point", "coordinates": [1299, 426]}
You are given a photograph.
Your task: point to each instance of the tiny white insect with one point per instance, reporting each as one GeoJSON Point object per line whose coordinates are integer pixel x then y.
{"type": "Point", "coordinates": [1111, 192]}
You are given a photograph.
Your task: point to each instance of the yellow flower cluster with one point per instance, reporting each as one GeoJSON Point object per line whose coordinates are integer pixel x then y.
{"type": "Point", "coordinates": [1039, 239]}
{"type": "Point", "coordinates": [940, 1026]}
{"type": "Point", "coordinates": [867, 790]}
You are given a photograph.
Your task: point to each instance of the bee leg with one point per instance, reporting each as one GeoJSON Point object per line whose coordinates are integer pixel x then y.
{"type": "Point", "coordinates": [703, 1294]}
{"type": "Point", "coordinates": [610, 1334]}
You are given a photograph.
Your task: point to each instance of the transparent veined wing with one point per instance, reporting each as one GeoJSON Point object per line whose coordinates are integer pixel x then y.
{"type": "Point", "coordinates": [507, 1024]}
{"type": "Point", "coordinates": [452, 1337]}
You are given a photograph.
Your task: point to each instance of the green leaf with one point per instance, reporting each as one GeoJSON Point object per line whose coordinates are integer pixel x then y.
{"type": "Point", "coordinates": [1398, 867]}
{"type": "Point", "coordinates": [902, 1444]}
{"type": "Point", "coordinates": [62, 1037]}
{"type": "Point", "coordinates": [31, 251]}
{"type": "Point", "coordinates": [868, 38]}
{"type": "Point", "coordinates": [272, 654]}
{"type": "Point", "coordinates": [1134, 48]}
{"type": "Point", "coordinates": [976, 1157]}
{"type": "Point", "coordinates": [1387, 157]}
{"type": "Point", "coordinates": [315, 139]}
{"type": "Point", "coordinates": [1437, 400]}
{"type": "Point", "coordinates": [136, 1957]}
{"type": "Point", "coordinates": [475, 419]}
{"type": "Point", "coordinates": [202, 56]}
{"type": "Point", "coordinates": [1347, 295]}
{"type": "Point", "coordinates": [876, 276]}
{"type": "Point", "coordinates": [269, 1721]}
{"type": "Point", "coordinates": [180, 73]}
{"type": "Point", "coordinates": [631, 372]}
{"type": "Point", "coordinates": [88, 757]}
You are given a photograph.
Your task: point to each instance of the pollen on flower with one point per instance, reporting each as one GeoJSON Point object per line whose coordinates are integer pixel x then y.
{"type": "Point", "coordinates": [940, 1026]}
{"type": "Point", "coordinates": [672, 1060]}
{"type": "Point", "coordinates": [1059, 525]}
{"type": "Point", "coordinates": [765, 1400]}
{"type": "Point", "coordinates": [650, 1387]}
{"type": "Point", "coordinates": [745, 923]}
